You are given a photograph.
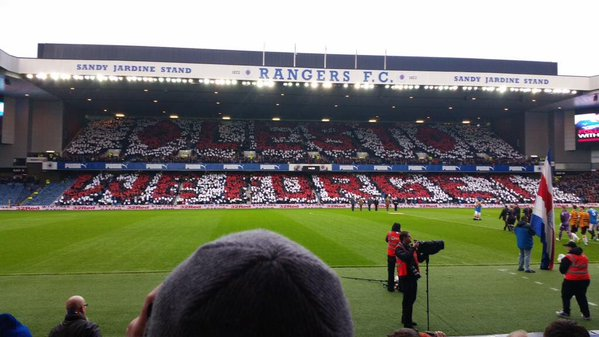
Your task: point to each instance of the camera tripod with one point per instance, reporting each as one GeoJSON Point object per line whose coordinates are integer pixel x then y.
{"type": "Point", "coordinates": [384, 284]}
{"type": "Point", "coordinates": [427, 297]}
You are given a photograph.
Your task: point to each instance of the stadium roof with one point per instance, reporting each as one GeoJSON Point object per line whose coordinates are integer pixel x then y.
{"type": "Point", "coordinates": [297, 99]}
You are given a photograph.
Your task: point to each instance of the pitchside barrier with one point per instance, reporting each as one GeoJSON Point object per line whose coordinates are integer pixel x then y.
{"type": "Point", "coordinates": [593, 333]}
{"type": "Point", "coordinates": [246, 206]}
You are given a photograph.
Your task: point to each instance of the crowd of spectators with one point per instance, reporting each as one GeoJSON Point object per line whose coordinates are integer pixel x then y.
{"type": "Point", "coordinates": [156, 140]}
{"type": "Point", "coordinates": [202, 189]}
{"type": "Point", "coordinates": [164, 188]}
{"type": "Point", "coordinates": [414, 188]}
{"type": "Point", "coordinates": [161, 141]}
{"type": "Point", "coordinates": [585, 184]}
{"type": "Point", "coordinates": [220, 142]}
{"type": "Point", "coordinates": [281, 189]}
{"type": "Point", "coordinates": [99, 136]}
{"type": "Point", "coordinates": [209, 141]}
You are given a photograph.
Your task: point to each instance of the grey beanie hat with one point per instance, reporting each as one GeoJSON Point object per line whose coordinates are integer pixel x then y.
{"type": "Point", "coordinates": [254, 283]}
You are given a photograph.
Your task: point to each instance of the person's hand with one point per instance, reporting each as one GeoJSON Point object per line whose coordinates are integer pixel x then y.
{"type": "Point", "coordinates": [137, 327]}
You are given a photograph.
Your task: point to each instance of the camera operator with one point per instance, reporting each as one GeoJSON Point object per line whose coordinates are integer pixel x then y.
{"type": "Point", "coordinates": [408, 258]}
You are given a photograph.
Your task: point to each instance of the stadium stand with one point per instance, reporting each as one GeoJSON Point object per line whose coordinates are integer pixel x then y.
{"type": "Point", "coordinates": [166, 188]}
{"type": "Point", "coordinates": [155, 140]}
{"type": "Point", "coordinates": [152, 140]}
{"type": "Point", "coordinates": [50, 193]}
{"type": "Point", "coordinates": [16, 189]}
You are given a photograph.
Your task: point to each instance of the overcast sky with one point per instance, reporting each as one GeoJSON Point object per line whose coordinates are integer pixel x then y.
{"type": "Point", "coordinates": [566, 32]}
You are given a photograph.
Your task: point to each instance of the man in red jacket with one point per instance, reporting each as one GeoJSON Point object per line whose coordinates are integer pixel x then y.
{"type": "Point", "coordinates": [575, 267]}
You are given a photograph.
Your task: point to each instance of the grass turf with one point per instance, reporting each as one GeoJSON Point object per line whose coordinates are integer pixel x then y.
{"type": "Point", "coordinates": [113, 258]}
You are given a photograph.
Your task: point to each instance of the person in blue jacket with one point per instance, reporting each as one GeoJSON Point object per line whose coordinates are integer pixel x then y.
{"type": "Point", "coordinates": [524, 237]}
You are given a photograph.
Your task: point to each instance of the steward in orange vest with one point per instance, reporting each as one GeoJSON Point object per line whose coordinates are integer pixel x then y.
{"type": "Point", "coordinates": [575, 267]}
{"type": "Point", "coordinates": [392, 240]}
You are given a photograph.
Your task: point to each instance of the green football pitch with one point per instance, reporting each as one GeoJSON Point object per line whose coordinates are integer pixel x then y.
{"type": "Point", "coordinates": [114, 258]}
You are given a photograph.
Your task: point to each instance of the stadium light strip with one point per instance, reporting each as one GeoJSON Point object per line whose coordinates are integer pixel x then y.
{"type": "Point", "coordinates": [272, 84]}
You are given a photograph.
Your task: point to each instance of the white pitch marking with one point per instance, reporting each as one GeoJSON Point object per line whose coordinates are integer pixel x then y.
{"type": "Point", "coordinates": [502, 269]}
{"type": "Point", "coordinates": [512, 273]}
{"type": "Point", "coordinates": [593, 304]}
{"type": "Point", "coordinates": [537, 282]}
{"type": "Point", "coordinates": [524, 277]}
{"type": "Point", "coordinates": [554, 289]}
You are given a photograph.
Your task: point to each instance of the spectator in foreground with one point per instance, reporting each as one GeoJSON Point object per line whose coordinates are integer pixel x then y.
{"type": "Point", "coordinates": [254, 283]}
{"type": "Point", "coordinates": [75, 322]}
{"type": "Point", "coordinates": [565, 328]}
{"type": "Point", "coordinates": [11, 327]}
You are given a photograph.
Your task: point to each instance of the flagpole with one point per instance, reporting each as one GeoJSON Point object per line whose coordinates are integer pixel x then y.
{"type": "Point", "coordinates": [543, 220]}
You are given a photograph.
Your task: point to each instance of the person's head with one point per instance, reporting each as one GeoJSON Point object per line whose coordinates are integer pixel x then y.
{"type": "Point", "coordinates": [405, 237]}
{"type": "Point", "coordinates": [76, 305]}
{"type": "Point", "coordinates": [565, 328]}
{"type": "Point", "coordinates": [570, 245]}
{"type": "Point", "coordinates": [518, 333]}
{"type": "Point", "coordinates": [574, 206]}
{"type": "Point", "coordinates": [404, 332]}
{"type": "Point", "coordinates": [564, 209]}
{"type": "Point", "coordinates": [255, 283]}
{"type": "Point", "coordinates": [396, 227]}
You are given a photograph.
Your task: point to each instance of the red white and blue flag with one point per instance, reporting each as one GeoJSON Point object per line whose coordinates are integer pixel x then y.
{"type": "Point", "coordinates": [542, 216]}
